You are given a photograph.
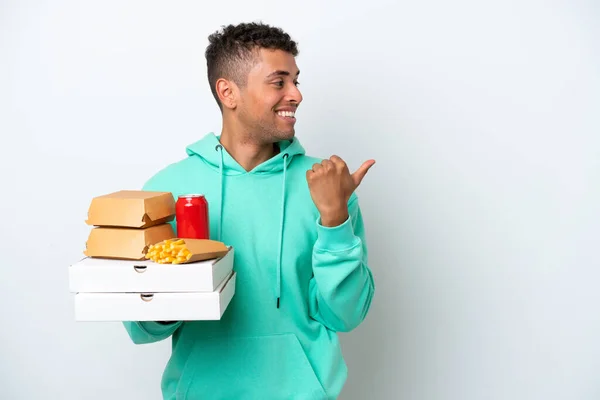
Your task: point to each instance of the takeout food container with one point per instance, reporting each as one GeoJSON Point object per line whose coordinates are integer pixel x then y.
{"type": "Point", "coordinates": [125, 243]}
{"type": "Point", "coordinates": [156, 306]}
{"type": "Point", "coordinates": [97, 275]}
{"type": "Point", "coordinates": [131, 209]}
{"type": "Point", "coordinates": [185, 251]}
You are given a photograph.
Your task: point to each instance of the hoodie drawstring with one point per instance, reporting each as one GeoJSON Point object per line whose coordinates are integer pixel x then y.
{"type": "Point", "coordinates": [285, 156]}
{"type": "Point", "coordinates": [219, 148]}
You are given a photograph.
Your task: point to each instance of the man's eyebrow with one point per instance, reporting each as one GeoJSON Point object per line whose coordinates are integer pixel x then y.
{"type": "Point", "coordinates": [280, 73]}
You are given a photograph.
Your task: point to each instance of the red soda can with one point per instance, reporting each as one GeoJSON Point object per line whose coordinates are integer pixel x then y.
{"type": "Point", "coordinates": [191, 213]}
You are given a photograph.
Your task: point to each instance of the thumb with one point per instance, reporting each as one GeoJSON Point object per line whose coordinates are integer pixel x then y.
{"type": "Point", "coordinates": [361, 172]}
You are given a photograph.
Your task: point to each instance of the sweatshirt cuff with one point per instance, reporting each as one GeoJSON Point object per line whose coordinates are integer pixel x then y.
{"type": "Point", "coordinates": [157, 329]}
{"type": "Point", "coordinates": [336, 238]}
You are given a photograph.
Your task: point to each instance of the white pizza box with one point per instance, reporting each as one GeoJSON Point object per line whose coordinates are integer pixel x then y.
{"type": "Point", "coordinates": [155, 306]}
{"type": "Point", "coordinates": [102, 275]}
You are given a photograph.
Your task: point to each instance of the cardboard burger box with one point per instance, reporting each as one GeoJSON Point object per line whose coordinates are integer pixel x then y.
{"type": "Point", "coordinates": [132, 209]}
{"type": "Point", "coordinates": [123, 277]}
{"type": "Point", "coordinates": [126, 223]}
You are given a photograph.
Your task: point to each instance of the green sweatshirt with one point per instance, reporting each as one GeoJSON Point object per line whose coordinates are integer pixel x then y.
{"type": "Point", "coordinates": [298, 283]}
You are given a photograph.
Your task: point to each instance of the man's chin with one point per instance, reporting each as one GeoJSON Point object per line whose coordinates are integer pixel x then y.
{"type": "Point", "coordinates": [286, 135]}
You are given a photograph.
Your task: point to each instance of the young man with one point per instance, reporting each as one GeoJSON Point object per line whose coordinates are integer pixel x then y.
{"type": "Point", "coordinates": [297, 230]}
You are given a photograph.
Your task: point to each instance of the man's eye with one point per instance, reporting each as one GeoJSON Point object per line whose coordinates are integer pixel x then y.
{"type": "Point", "coordinates": [282, 83]}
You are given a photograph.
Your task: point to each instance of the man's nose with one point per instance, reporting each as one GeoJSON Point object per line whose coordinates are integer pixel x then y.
{"type": "Point", "coordinates": [294, 95]}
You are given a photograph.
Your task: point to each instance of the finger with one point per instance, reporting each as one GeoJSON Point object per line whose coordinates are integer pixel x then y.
{"type": "Point", "coordinates": [327, 164]}
{"type": "Point", "coordinates": [316, 167]}
{"type": "Point", "coordinates": [338, 162]}
{"type": "Point", "coordinates": [309, 174]}
{"type": "Point", "coordinates": [362, 171]}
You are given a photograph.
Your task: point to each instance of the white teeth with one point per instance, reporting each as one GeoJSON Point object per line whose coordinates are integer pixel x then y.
{"type": "Point", "coordinates": [286, 113]}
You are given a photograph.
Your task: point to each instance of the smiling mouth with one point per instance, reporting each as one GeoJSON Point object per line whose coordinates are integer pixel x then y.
{"type": "Point", "coordinates": [287, 114]}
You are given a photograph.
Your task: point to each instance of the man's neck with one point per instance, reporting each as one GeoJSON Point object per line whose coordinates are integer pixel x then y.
{"type": "Point", "coordinates": [244, 150]}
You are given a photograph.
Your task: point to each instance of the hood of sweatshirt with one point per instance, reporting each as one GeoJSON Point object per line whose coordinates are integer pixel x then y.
{"type": "Point", "coordinates": [214, 154]}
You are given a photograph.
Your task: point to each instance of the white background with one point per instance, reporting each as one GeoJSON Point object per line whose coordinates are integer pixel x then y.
{"type": "Point", "coordinates": [482, 211]}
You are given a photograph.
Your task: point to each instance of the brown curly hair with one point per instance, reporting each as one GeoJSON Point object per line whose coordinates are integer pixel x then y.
{"type": "Point", "coordinates": [232, 51]}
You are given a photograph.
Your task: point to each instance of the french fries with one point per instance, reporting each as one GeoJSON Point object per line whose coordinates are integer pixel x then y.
{"type": "Point", "coordinates": [170, 251]}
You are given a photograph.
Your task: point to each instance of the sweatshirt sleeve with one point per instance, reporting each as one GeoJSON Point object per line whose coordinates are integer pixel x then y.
{"type": "Point", "coordinates": [148, 331]}
{"type": "Point", "coordinates": [342, 288]}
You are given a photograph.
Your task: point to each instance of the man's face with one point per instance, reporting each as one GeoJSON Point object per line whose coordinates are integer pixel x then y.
{"type": "Point", "coordinates": [268, 102]}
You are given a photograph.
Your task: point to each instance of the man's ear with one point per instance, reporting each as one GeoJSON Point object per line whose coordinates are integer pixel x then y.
{"type": "Point", "coordinates": [226, 90]}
